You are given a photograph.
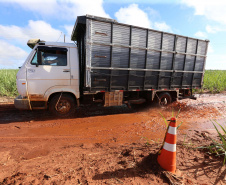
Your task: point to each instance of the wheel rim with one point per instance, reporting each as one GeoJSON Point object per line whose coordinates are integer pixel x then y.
{"type": "Point", "coordinates": [63, 106]}
{"type": "Point", "coordinates": [163, 101]}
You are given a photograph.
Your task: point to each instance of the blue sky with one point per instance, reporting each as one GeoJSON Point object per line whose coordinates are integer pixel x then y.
{"type": "Point", "coordinates": [49, 20]}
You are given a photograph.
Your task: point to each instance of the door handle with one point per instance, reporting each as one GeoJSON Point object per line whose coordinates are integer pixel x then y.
{"type": "Point", "coordinates": [66, 70]}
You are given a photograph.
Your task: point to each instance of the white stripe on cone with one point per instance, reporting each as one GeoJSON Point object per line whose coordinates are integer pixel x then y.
{"type": "Point", "coordinates": [172, 130]}
{"type": "Point", "coordinates": [169, 147]}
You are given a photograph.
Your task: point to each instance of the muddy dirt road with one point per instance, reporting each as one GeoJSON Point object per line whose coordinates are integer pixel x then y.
{"type": "Point", "coordinates": [106, 145]}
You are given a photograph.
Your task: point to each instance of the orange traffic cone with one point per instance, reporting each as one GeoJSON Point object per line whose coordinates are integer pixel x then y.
{"type": "Point", "coordinates": [167, 155]}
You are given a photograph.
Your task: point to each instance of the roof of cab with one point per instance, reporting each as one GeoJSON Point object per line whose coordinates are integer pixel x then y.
{"type": "Point", "coordinates": [61, 44]}
{"type": "Point", "coordinates": [33, 42]}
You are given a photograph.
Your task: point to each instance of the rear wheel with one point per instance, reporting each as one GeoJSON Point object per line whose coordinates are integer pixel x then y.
{"type": "Point", "coordinates": [164, 99]}
{"type": "Point", "coordinates": [62, 105]}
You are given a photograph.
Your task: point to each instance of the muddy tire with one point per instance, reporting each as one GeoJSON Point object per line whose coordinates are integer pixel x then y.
{"type": "Point", "coordinates": [62, 105]}
{"type": "Point", "coordinates": [164, 99]}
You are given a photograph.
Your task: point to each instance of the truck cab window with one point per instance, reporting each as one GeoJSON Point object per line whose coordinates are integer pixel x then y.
{"type": "Point", "coordinates": [54, 58]}
{"type": "Point", "coordinates": [51, 57]}
{"type": "Point", "coordinates": [34, 60]}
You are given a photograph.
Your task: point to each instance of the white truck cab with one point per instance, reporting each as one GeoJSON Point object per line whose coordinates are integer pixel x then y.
{"type": "Point", "coordinates": [49, 69]}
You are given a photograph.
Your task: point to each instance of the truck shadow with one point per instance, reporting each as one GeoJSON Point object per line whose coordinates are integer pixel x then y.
{"type": "Point", "coordinates": [9, 114]}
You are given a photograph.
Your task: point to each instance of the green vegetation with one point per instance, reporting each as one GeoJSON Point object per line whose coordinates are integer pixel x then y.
{"type": "Point", "coordinates": [167, 122]}
{"type": "Point", "coordinates": [8, 82]}
{"type": "Point", "coordinates": [218, 147]}
{"type": "Point", "coordinates": [214, 81]}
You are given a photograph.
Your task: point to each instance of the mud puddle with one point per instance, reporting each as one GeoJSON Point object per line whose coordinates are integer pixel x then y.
{"type": "Point", "coordinates": [114, 124]}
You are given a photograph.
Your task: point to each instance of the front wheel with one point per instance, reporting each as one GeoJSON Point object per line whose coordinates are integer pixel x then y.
{"type": "Point", "coordinates": [164, 99]}
{"type": "Point", "coordinates": [62, 105]}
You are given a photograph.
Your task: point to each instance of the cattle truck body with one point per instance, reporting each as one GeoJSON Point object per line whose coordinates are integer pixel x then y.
{"type": "Point", "coordinates": [115, 56]}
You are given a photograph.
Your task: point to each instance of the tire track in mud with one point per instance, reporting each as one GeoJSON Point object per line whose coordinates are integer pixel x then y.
{"type": "Point", "coordinates": [97, 122]}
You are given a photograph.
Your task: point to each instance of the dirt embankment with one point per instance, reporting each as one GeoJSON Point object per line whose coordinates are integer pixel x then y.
{"type": "Point", "coordinates": [108, 145]}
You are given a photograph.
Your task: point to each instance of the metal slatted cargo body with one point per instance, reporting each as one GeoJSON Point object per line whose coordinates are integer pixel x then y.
{"type": "Point", "coordinates": [115, 56]}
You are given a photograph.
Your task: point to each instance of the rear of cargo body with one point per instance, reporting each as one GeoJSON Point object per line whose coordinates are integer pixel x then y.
{"type": "Point", "coordinates": [115, 56]}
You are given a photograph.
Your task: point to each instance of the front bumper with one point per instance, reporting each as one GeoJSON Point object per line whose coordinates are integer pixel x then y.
{"type": "Point", "coordinates": [21, 103]}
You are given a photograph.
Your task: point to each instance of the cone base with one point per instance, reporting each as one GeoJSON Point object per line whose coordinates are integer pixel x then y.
{"type": "Point", "coordinates": [167, 160]}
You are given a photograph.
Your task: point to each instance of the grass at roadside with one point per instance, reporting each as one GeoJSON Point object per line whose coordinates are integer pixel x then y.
{"type": "Point", "coordinates": [218, 147]}
{"type": "Point", "coordinates": [214, 81]}
{"type": "Point", "coordinates": [8, 82]}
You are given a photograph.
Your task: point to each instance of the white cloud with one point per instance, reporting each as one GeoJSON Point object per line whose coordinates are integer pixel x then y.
{"type": "Point", "coordinates": [212, 10]}
{"type": "Point", "coordinates": [43, 30]}
{"type": "Point", "coordinates": [143, 1]}
{"type": "Point", "coordinates": [11, 56]}
{"type": "Point", "coordinates": [133, 15]}
{"type": "Point", "coordinates": [88, 7]}
{"type": "Point", "coordinates": [152, 13]}
{"type": "Point", "coordinates": [210, 48]}
{"type": "Point", "coordinates": [61, 9]}
{"type": "Point", "coordinates": [215, 29]}
{"type": "Point", "coordinates": [68, 29]}
{"type": "Point", "coordinates": [162, 26]}
{"type": "Point", "coordinates": [34, 29]}
{"type": "Point", "coordinates": [201, 34]}
{"type": "Point", "coordinates": [216, 61]}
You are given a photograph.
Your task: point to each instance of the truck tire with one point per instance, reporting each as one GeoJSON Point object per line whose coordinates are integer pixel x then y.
{"type": "Point", "coordinates": [62, 105]}
{"type": "Point", "coordinates": [164, 99]}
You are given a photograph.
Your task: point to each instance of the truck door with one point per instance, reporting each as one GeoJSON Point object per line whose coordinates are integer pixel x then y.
{"type": "Point", "coordinates": [49, 68]}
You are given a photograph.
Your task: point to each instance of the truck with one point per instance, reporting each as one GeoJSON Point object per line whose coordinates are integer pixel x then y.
{"type": "Point", "coordinates": [111, 64]}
